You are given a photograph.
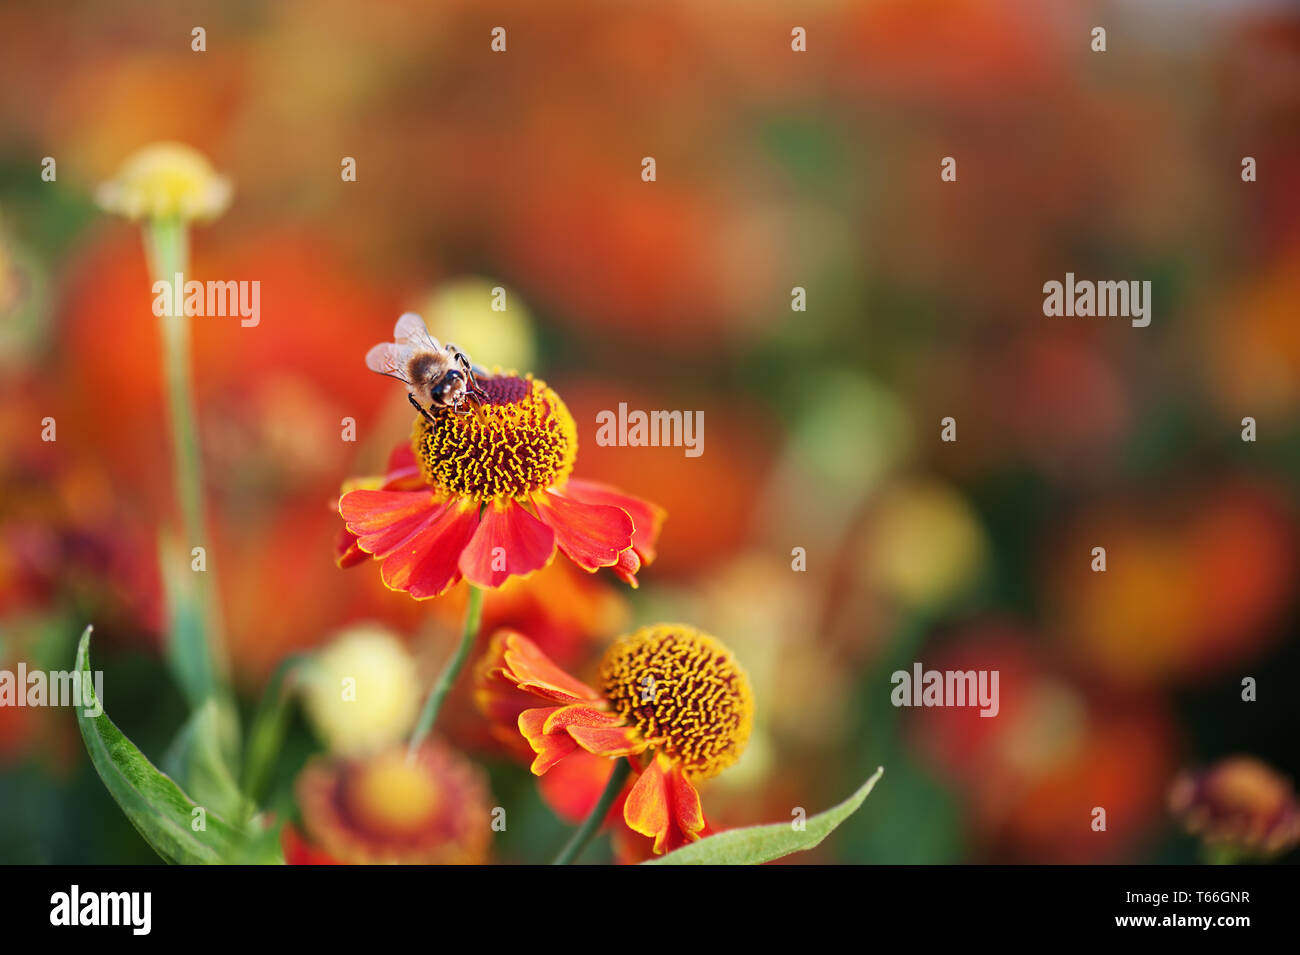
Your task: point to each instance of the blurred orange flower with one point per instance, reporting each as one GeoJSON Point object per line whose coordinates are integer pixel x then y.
{"type": "Point", "coordinates": [386, 808]}
{"type": "Point", "coordinates": [1193, 581]}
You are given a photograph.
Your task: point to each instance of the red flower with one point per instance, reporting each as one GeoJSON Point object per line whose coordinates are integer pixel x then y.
{"type": "Point", "coordinates": [487, 496]}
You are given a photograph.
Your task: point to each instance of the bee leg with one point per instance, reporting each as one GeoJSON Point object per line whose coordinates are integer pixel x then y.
{"type": "Point", "coordinates": [460, 358]}
{"type": "Point", "coordinates": [420, 408]}
{"type": "Point", "coordinates": [463, 360]}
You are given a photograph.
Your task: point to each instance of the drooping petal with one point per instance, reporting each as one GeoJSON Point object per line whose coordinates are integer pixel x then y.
{"type": "Point", "coordinates": [426, 565]}
{"type": "Point", "coordinates": [549, 747]}
{"type": "Point", "coordinates": [384, 520]}
{"type": "Point", "coordinates": [509, 542]}
{"type": "Point", "coordinates": [592, 535]}
{"type": "Point", "coordinates": [346, 551]}
{"type": "Point", "coordinates": [524, 663]}
{"type": "Point", "coordinates": [627, 566]}
{"type": "Point", "coordinates": [647, 518]}
{"type": "Point", "coordinates": [664, 806]}
{"type": "Point", "coordinates": [688, 815]}
{"type": "Point", "coordinates": [499, 700]}
{"type": "Point", "coordinates": [631, 848]}
{"type": "Point", "coordinates": [646, 810]}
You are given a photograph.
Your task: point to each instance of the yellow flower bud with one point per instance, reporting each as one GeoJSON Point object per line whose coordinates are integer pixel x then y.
{"type": "Point", "coordinates": [361, 692]}
{"type": "Point", "coordinates": [926, 545]}
{"type": "Point", "coordinates": [487, 322]}
{"type": "Point", "coordinates": [164, 181]}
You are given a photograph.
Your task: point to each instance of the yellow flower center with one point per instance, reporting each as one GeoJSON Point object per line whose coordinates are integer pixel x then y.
{"type": "Point", "coordinates": [386, 808]}
{"type": "Point", "coordinates": [685, 692]}
{"type": "Point", "coordinates": [522, 440]}
{"type": "Point", "coordinates": [391, 795]}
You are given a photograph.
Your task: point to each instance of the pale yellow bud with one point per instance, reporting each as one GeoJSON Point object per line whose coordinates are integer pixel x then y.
{"type": "Point", "coordinates": [926, 545]}
{"type": "Point", "coordinates": [361, 692]}
{"type": "Point", "coordinates": [166, 181]}
{"type": "Point", "coordinates": [486, 321]}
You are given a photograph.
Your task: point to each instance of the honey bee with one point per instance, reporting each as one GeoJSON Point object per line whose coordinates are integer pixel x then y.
{"type": "Point", "coordinates": [436, 375]}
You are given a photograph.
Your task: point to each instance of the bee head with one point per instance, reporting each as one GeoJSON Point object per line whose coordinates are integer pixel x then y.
{"type": "Point", "coordinates": [449, 388]}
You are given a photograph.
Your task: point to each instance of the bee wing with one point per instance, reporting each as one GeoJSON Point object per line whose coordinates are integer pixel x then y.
{"type": "Point", "coordinates": [390, 358]}
{"type": "Point", "coordinates": [411, 330]}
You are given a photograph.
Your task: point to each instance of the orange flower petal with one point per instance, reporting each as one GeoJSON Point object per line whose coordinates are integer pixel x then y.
{"type": "Point", "coordinates": [628, 565]}
{"type": "Point", "coordinates": [384, 520]}
{"type": "Point", "coordinates": [688, 815]}
{"type": "Point", "coordinates": [532, 670]}
{"type": "Point", "coordinates": [664, 806]}
{"type": "Point", "coordinates": [646, 810]}
{"type": "Point", "coordinates": [550, 748]}
{"type": "Point", "coordinates": [426, 565]}
{"type": "Point", "coordinates": [592, 535]}
{"type": "Point", "coordinates": [509, 541]}
{"type": "Point", "coordinates": [580, 714]}
{"type": "Point", "coordinates": [346, 551]}
{"type": "Point", "coordinates": [647, 518]}
{"type": "Point", "coordinates": [608, 740]}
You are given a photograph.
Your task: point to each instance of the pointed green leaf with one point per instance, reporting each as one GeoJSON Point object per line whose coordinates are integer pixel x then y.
{"type": "Point", "coordinates": [758, 844]}
{"type": "Point", "coordinates": [160, 811]}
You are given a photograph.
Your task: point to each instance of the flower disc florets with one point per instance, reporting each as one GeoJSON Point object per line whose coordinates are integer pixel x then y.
{"type": "Point", "coordinates": [685, 692]}
{"type": "Point", "coordinates": [521, 441]}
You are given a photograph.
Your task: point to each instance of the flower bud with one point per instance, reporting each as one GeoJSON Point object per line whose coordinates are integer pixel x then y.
{"type": "Point", "coordinates": [362, 691]}
{"type": "Point", "coordinates": [166, 181]}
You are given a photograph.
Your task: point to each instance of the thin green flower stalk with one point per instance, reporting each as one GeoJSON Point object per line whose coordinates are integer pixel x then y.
{"type": "Point", "coordinates": [165, 187]}
{"type": "Point", "coordinates": [447, 678]}
{"type": "Point", "coordinates": [166, 244]}
{"type": "Point", "coordinates": [596, 818]}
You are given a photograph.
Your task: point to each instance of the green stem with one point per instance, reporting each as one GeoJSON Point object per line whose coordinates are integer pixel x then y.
{"type": "Point", "coordinates": [167, 247]}
{"type": "Point", "coordinates": [193, 647]}
{"type": "Point", "coordinates": [429, 714]}
{"type": "Point", "coordinates": [591, 825]}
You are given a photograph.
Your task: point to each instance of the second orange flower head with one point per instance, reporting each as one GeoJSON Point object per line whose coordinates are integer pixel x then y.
{"type": "Point", "coordinates": [486, 493]}
{"type": "Point", "coordinates": [671, 699]}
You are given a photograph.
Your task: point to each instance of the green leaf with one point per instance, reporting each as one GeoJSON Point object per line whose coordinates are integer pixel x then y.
{"type": "Point", "coordinates": [758, 844]}
{"type": "Point", "coordinates": [260, 843]}
{"type": "Point", "coordinates": [266, 735]}
{"type": "Point", "coordinates": [160, 811]}
{"type": "Point", "coordinates": [195, 760]}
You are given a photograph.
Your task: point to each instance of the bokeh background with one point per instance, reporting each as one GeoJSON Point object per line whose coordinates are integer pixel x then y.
{"type": "Point", "coordinates": [775, 169]}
